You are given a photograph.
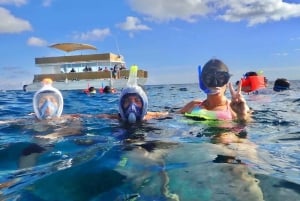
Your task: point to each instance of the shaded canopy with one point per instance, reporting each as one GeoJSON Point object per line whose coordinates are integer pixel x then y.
{"type": "Point", "coordinates": [69, 47]}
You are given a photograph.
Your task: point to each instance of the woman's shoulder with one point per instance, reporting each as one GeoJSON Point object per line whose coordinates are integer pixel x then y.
{"type": "Point", "coordinates": [190, 106]}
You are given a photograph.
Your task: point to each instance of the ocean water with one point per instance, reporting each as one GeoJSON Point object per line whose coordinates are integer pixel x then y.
{"type": "Point", "coordinates": [172, 158]}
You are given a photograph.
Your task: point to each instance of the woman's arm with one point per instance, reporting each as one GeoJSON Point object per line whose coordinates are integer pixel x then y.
{"type": "Point", "coordinates": [189, 107]}
{"type": "Point", "coordinates": [152, 115]}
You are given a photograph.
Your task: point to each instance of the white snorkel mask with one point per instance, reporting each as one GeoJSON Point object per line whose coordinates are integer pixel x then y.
{"type": "Point", "coordinates": [133, 102]}
{"type": "Point", "coordinates": [48, 101]}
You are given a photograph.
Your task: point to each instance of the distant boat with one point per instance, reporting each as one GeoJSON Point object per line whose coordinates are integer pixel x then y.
{"type": "Point", "coordinates": [78, 72]}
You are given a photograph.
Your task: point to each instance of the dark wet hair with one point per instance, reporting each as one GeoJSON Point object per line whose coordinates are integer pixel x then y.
{"type": "Point", "coordinates": [91, 89]}
{"type": "Point", "coordinates": [281, 84]}
{"type": "Point", "coordinates": [251, 73]}
{"type": "Point", "coordinates": [107, 89]}
{"type": "Point", "coordinates": [215, 73]}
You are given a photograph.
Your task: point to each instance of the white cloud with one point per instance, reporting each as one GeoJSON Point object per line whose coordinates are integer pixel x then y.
{"type": "Point", "coordinates": [13, 2]}
{"type": "Point", "coordinates": [252, 11]}
{"type": "Point", "coordinates": [95, 34]}
{"type": "Point", "coordinates": [34, 41]}
{"type": "Point", "coordinates": [133, 24]}
{"type": "Point", "coordinates": [256, 11]}
{"type": "Point", "coordinates": [167, 10]}
{"type": "Point", "coordinates": [12, 24]}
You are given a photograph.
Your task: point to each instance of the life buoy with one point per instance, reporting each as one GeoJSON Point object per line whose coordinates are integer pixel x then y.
{"type": "Point", "coordinates": [252, 83]}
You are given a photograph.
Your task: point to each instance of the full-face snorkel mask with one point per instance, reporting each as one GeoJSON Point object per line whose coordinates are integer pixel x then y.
{"type": "Point", "coordinates": [133, 102]}
{"type": "Point", "coordinates": [48, 101]}
{"type": "Point", "coordinates": [211, 81]}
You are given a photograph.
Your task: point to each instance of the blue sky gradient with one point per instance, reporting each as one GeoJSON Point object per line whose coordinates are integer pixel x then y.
{"type": "Point", "coordinates": [168, 38]}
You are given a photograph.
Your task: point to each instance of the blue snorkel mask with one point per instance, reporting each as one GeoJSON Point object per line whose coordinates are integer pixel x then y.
{"type": "Point", "coordinates": [132, 106]}
{"type": "Point", "coordinates": [133, 102]}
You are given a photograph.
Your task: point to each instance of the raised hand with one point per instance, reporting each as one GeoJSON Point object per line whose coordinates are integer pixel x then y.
{"type": "Point", "coordinates": [238, 103]}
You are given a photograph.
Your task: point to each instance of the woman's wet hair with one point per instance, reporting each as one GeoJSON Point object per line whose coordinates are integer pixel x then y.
{"type": "Point", "coordinates": [215, 73]}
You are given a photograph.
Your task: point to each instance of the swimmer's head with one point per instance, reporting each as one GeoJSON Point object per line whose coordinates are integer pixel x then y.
{"type": "Point", "coordinates": [215, 74]}
{"type": "Point", "coordinates": [92, 90]}
{"type": "Point", "coordinates": [281, 84]}
{"type": "Point", "coordinates": [107, 89]}
{"type": "Point", "coordinates": [48, 102]}
{"type": "Point", "coordinates": [133, 104]}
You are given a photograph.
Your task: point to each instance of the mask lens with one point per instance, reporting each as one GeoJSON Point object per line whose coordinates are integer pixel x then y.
{"type": "Point", "coordinates": [215, 79]}
{"type": "Point", "coordinates": [47, 105]}
{"type": "Point", "coordinates": [132, 106]}
{"type": "Point", "coordinates": [48, 109]}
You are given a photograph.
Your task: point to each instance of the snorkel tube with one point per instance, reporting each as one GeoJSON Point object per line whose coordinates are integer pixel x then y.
{"type": "Point", "coordinates": [47, 89]}
{"type": "Point", "coordinates": [201, 84]}
{"type": "Point", "coordinates": [203, 87]}
{"type": "Point", "coordinates": [133, 113]}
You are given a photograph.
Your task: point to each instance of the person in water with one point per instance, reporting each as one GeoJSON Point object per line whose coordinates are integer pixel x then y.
{"type": "Point", "coordinates": [214, 80]}
{"type": "Point", "coordinates": [48, 107]}
{"type": "Point", "coordinates": [281, 84]}
{"type": "Point", "coordinates": [108, 89]}
{"type": "Point", "coordinates": [253, 82]}
{"type": "Point", "coordinates": [48, 121]}
{"type": "Point", "coordinates": [133, 103]}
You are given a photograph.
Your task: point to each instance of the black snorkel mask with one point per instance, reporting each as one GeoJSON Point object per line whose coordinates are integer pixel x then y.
{"type": "Point", "coordinates": [215, 78]}
{"type": "Point", "coordinates": [209, 81]}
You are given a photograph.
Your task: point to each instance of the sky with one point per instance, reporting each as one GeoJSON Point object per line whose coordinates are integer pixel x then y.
{"type": "Point", "coordinates": [168, 38]}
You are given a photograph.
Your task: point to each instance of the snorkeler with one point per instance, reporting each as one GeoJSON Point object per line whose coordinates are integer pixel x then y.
{"type": "Point", "coordinates": [108, 89]}
{"type": "Point", "coordinates": [133, 103]}
{"type": "Point", "coordinates": [48, 121]}
{"type": "Point", "coordinates": [48, 107]}
{"type": "Point", "coordinates": [281, 84]}
{"type": "Point", "coordinates": [213, 80]}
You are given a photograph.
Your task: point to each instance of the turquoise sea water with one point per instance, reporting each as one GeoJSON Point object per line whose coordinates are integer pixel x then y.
{"type": "Point", "coordinates": [171, 158]}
